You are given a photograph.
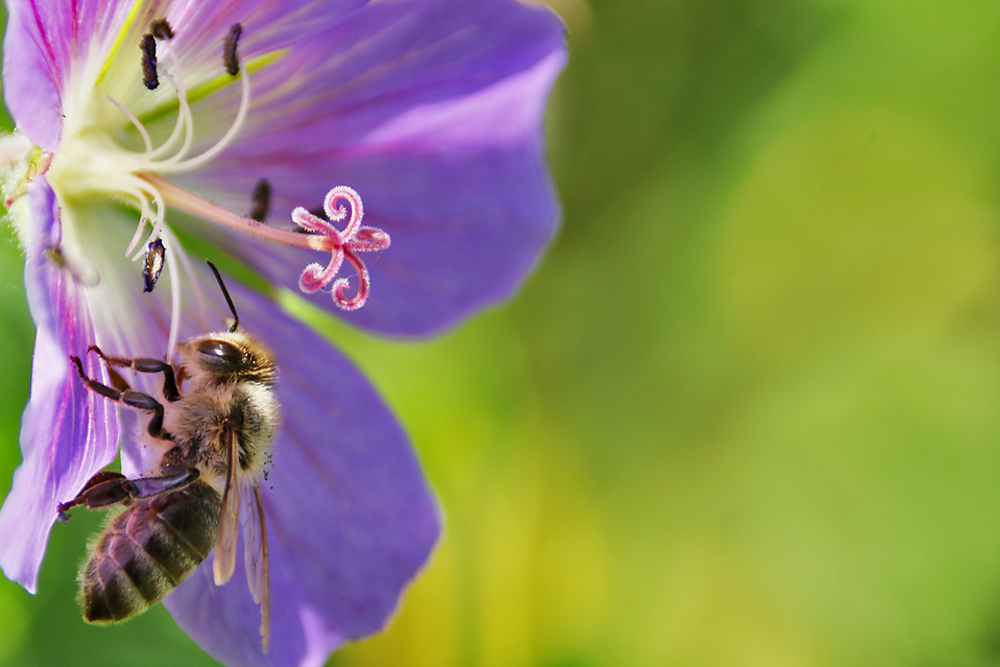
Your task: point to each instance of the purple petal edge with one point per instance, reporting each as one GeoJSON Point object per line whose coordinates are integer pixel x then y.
{"type": "Point", "coordinates": [350, 517]}
{"type": "Point", "coordinates": [67, 432]}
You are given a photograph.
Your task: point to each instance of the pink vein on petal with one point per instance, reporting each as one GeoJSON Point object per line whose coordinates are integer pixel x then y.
{"type": "Point", "coordinates": [49, 51]}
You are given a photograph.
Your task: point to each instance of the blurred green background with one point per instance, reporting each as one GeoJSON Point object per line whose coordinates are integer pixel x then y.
{"type": "Point", "coordinates": [745, 413]}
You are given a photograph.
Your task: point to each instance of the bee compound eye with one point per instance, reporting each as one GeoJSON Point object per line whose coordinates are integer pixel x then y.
{"type": "Point", "coordinates": [221, 353]}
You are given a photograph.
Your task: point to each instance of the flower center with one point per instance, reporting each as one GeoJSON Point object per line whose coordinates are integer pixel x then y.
{"type": "Point", "coordinates": [90, 161]}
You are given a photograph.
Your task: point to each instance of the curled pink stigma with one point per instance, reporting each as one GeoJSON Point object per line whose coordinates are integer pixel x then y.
{"type": "Point", "coordinates": [341, 202]}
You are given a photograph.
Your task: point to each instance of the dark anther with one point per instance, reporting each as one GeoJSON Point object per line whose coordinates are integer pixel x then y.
{"type": "Point", "coordinates": [261, 200]}
{"type": "Point", "coordinates": [161, 29]}
{"type": "Point", "coordinates": [149, 75]}
{"type": "Point", "coordinates": [153, 265]}
{"type": "Point", "coordinates": [229, 50]}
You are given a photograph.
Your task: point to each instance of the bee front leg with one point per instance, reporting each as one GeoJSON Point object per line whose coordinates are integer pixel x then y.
{"type": "Point", "coordinates": [144, 365]}
{"type": "Point", "coordinates": [133, 399]}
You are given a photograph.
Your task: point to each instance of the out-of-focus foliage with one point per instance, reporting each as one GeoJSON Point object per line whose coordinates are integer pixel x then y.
{"type": "Point", "coordinates": [746, 411]}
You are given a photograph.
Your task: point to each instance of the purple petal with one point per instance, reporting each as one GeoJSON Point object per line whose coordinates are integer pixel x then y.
{"type": "Point", "coordinates": [349, 515]}
{"type": "Point", "coordinates": [31, 76]}
{"type": "Point", "coordinates": [432, 111]}
{"type": "Point", "coordinates": [67, 433]}
{"type": "Point", "coordinates": [43, 41]}
{"type": "Point", "coordinates": [200, 26]}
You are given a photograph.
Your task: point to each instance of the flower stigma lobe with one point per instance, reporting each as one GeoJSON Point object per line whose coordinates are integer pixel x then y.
{"type": "Point", "coordinates": [261, 200]}
{"type": "Point", "coordinates": [346, 245]}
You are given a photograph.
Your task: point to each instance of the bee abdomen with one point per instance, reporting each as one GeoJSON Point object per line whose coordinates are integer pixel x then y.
{"type": "Point", "coordinates": [147, 550]}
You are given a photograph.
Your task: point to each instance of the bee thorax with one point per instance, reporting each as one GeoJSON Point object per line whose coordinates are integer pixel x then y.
{"type": "Point", "coordinates": [200, 421]}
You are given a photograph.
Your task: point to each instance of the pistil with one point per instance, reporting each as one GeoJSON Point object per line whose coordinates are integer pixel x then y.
{"type": "Point", "coordinates": [340, 203]}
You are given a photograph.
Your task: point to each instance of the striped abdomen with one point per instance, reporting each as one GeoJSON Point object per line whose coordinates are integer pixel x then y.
{"type": "Point", "coordinates": [147, 550]}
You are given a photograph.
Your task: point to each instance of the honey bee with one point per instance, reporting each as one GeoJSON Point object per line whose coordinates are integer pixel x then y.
{"type": "Point", "coordinates": [215, 437]}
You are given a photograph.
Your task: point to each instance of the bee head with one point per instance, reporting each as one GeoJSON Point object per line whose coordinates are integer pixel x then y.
{"type": "Point", "coordinates": [227, 357]}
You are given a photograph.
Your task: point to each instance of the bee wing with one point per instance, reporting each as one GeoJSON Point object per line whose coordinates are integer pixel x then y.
{"type": "Point", "coordinates": [229, 518]}
{"type": "Point", "coordinates": [255, 558]}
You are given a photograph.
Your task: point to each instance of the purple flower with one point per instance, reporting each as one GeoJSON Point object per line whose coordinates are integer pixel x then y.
{"type": "Point", "coordinates": [235, 123]}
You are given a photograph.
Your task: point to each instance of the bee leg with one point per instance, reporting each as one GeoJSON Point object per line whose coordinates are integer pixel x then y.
{"type": "Point", "coordinates": [133, 399]}
{"type": "Point", "coordinates": [109, 488]}
{"type": "Point", "coordinates": [104, 488]}
{"type": "Point", "coordinates": [144, 365]}
{"type": "Point", "coordinates": [174, 479]}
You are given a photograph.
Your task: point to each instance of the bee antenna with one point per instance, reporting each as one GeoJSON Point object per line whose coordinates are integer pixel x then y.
{"type": "Point", "coordinates": [225, 293]}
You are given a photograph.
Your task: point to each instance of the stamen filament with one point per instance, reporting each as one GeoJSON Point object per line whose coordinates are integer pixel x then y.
{"type": "Point", "coordinates": [184, 111]}
{"type": "Point", "coordinates": [143, 218]}
{"type": "Point", "coordinates": [177, 83]}
{"type": "Point", "coordinates": [141, 190]}
{"type": "Point", "coordinates": [176, 164]}
{"type": "Point", "coordinates": [138, 125]}
{"type": "Point", "coordinates": [144, 215]}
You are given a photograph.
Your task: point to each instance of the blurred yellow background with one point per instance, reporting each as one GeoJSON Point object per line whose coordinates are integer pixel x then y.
{"type": "Point", "coordinates": [745, 412]}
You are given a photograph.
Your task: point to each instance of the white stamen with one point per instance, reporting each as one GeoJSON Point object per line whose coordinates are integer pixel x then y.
{"type": "Point", "coordinates": [183, 120]}
{"type": "Point", "coordinates": [177, 165]}
{"type": "Point", "coordinates": [142, 191]}
{"type": "Point", "coordinates": [143, 216]}
{"type": "Point", "coordinates": [138, 230]}
{"type": "Point", "coordinates": [135, 122]}
{"type": "Point", "coordinates": [176, 162]}
{"type": "Point", "coordinates": [142, 181]}
{"type": "Point", "coordinates": [184, 112]}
